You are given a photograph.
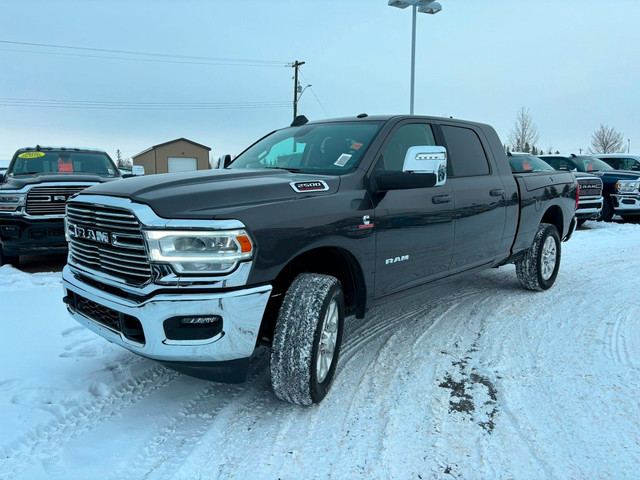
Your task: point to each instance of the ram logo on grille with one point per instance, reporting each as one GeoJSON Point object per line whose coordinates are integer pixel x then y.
{"type": "Point", "coordinates": [88, 234]}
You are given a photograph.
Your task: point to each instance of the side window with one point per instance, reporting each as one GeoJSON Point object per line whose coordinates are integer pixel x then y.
{"type": "Point", "coordinates": [629, 164]}
{"type": "Point", "coordinates": [410, 135]}
{"type": "Point", "coordinates": [465, 152]}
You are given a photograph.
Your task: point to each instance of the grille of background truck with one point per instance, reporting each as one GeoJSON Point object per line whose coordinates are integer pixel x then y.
{"type": "Point", "coordinates": [590, 192]}
{"type": "Point", "coordinates": [124, 257]}
{"type": "Point", "coordinates": [42, 200]}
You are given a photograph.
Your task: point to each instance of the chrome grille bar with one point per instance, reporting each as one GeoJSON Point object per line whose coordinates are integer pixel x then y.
{"type": "Point", "coordinates": [42, 200]}
{"type": "Point", "coordinates": [124, 254]}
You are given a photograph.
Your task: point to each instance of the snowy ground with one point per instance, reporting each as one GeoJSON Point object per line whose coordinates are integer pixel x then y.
{"type": "Point", "coordinates": [472, 379]}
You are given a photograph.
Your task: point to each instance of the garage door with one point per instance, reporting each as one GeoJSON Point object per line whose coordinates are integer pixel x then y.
{"type": "Point", "coordinates": [182, 164]}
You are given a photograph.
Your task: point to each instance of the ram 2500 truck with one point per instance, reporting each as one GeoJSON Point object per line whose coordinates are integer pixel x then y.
{"type": "Point", "coordinates": [33, 193]}
{"type": "Point", "coordinates": [310, 224]}
{"type": "Point", "coordinates": [620, 188]}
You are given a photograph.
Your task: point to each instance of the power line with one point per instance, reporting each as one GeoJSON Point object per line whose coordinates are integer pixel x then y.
{"type": "Point", "coordinates": [152, 60]}
{"type": "Point", "coordinates": [206, 60]}
{"type": "Point", "coordinates": [103, 105]}
{"type": "Point", "coordinates": [314, 94]}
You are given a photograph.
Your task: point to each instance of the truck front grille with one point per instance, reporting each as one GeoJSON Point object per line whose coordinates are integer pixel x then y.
{"type": "Point", "coordinates": [50, 200]}
{"type": "Point", "coordinates": [590, 187]}
{"type": "Point", "coordinates": [111, 242]}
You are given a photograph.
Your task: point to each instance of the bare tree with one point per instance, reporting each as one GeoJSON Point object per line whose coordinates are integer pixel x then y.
{"type": "Point", "coordinates": [606, 140]}
{"type": "Point", "coordinates": [122, 162]}
{"type": "Point", "coordinates": [524, 133]}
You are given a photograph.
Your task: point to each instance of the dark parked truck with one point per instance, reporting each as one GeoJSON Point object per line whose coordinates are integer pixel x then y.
{"type": "Point", "coordinates": [33, 193]}
{"type": "Point", "coordinates": [312, 223]}
{"type": "Point", "coordinates": [620, 188]}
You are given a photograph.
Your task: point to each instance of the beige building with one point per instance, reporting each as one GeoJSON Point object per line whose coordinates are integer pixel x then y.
{"type": "Point", "coordinates": [180, 155]}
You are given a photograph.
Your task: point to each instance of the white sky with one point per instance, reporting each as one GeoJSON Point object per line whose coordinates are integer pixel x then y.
{"type": "Point", "coordinates": [572, 63]}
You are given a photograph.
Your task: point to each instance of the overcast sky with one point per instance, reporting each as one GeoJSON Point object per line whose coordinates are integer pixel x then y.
{"type": "Point", "coordinates": [575, 64]}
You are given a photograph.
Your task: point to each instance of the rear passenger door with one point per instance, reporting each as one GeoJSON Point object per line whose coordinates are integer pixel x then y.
{"type": "Point", "coordinates": [480, 205]}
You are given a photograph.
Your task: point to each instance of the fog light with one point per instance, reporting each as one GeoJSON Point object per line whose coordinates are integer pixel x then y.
{"type": "Point", "coordinates": [200, 320]}
{"type": "Point", "coordinates": [193, 327]}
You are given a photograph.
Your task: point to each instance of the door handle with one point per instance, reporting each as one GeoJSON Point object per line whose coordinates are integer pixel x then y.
{"type": "Point", "coordinates": [497, 192]}
{"type": "Point", "coordinates": [441, 199]}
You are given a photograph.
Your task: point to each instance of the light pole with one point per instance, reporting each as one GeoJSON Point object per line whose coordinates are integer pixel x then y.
{"type": "Point", "coordinates": [423, 6]}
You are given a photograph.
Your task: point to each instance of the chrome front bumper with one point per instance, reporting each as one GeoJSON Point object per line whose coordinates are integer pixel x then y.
{"type": "Point", "coordinates": [589, 207]}
{"type": "Point", "coordinates": [626, 203]}
{"type": "Point", "coordinates": [241, 312]}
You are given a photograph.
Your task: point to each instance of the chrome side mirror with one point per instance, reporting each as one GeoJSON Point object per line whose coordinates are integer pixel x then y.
{"type": "Point", "coordinates": [427, 159]}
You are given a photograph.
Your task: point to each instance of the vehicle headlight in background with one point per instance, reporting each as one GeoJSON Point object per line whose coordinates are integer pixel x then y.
{"type": "Point", "coordinates": [199, 252]}
{"type": "Point", "coordinates": [628, 186]}
{"type": "Point", "coordinates": [10, 202]}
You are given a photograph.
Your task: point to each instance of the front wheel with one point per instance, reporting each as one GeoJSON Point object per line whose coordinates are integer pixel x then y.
{"type": "Point", "coordinates": [606, 214]}
{"type": "Point", "coordinates": [539, 267]}
{"type": "Point", "coordinates": [9, 259]}
{"type": "Point", "coordinates": [307, 339]}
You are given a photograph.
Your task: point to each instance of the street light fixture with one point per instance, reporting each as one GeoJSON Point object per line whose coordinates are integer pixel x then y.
{"type": "Point", "coordinates": [423, 6]}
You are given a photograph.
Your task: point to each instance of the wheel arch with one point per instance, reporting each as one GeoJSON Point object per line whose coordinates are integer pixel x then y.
{"type": "Point", "coordinates": [555, 217]}
{"type": "Point", "coordinates": [335, 261]}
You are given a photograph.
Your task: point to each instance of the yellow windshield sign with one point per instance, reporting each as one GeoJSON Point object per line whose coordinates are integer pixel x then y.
{"type": "Point", "coordinates": [31, 155]}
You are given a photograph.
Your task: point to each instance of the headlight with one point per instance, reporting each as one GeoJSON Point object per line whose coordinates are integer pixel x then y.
{"type": "Point", "coordinates": [199, 252]}
{"type": "Point", "coordinates": [11, 201]}
{"type": "Point", "coordinates": [628, 186]}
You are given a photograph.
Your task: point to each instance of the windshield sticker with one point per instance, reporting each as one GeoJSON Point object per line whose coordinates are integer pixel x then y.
{"type": "Point", "coordinates": [355, 146]}
{"type": "Point", "coordinates": [314, 186]}
{"type": "Point", "coordinates": [65, 165]}
{"type": "Point", "coordinates": [342, 160]}
{"type": "Point", "coordinates": [31, 155]}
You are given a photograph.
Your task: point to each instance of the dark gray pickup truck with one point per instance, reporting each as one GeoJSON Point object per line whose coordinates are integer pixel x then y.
{"type": "Point", "coordinates": [310, 224]}
{"type": "Point", "coordinates": [33, 193]}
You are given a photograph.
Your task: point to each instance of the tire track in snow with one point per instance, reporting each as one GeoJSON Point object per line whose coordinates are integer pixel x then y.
{"type": "Point", "coordinates": [618, 337]}
{"type": "Point", "coordinates": [44, 443]}
{"type": "Point", "coordinates": [163, 456]}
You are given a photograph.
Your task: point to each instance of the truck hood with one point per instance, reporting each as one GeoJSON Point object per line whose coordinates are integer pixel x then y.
{"type": "Point", "coordinates": [21, 181]}
{"type": "Point", "coordinates": [216, 193]}
{"type": "Point", "coordinates": [614, 175]}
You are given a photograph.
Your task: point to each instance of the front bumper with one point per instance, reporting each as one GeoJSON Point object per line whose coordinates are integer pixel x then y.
{"type": "Point", "coordinates": [589, 207]}
{"type": "Point", "coordinates": [626, 204]}
{"type": "Point", "coordinates": [24, 236]}
{"type": "Point", "coordinates": [139, 326]}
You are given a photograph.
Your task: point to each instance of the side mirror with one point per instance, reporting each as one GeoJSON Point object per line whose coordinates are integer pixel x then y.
{"type": "Point", "coordinates": [427, 159]}
{"type": "Point", "coordinates": [225, 161]}
{"type": "Point", "coordinates": [137, 170]}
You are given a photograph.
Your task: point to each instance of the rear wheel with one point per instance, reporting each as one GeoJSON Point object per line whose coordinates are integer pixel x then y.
{"type": "Point", "coordinates": [307, 339]}
{"type": "Point", "coordinates": [539, 267]}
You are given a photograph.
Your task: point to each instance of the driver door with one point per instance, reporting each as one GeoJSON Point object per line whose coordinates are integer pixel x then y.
{"type": "Point", "coordinates": [414, 227]}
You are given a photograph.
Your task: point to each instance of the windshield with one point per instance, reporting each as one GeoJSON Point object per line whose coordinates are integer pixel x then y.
{"type": "Point", "coordinates": [63, 162]}
{"type": "Point", "coordinates": [527, 163]}
{"type": "Point", "coordinates": [592, 164]}
{"type": "Point", "coordinates": [329, 148]}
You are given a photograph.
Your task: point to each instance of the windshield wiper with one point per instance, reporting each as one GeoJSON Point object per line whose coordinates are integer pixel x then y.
{"type": "Point", "coordinates": [288, 169]}
{"type": "Point", "coordinates": [25, 173]}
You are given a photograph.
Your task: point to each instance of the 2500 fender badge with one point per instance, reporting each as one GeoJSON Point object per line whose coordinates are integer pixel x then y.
{"type": "Point", "coordinates": [313, 186]}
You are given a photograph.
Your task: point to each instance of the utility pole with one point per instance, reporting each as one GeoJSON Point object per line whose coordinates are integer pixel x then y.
{"type": "Point", "coordinates": [295, 66]}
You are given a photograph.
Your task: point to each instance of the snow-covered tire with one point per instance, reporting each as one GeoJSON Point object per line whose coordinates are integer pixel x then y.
{"type": "Point", "coordinates": [307, 339]}
{"type": "Point", "coordinates": [539, 267]}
